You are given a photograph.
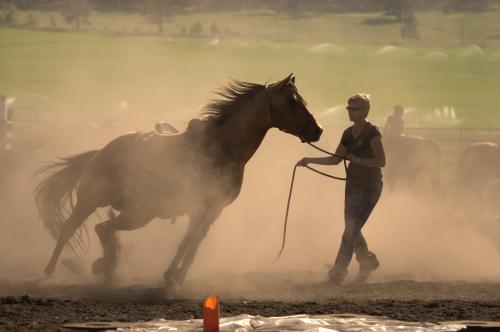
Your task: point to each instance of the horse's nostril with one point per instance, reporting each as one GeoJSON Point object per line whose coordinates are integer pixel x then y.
{"type": "Point", "coordinates": [318, 131]}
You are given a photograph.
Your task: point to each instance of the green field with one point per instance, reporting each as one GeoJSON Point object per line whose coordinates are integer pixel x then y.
{"type": "Point", "coordinates": [118, 59]}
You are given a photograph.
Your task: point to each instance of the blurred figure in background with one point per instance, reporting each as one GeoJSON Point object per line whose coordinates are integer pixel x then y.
{"type": "Point", "coordinates": [395, 124]}
{"type": "Point", "coordinates": [5, 122]}
{"type": "Point", "coordinates": [3, 114]}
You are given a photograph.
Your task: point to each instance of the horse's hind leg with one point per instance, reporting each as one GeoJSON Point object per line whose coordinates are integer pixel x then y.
{"type": "Point", "coordinates": [106, 232]}
{"type": "Point", "coordinates": [75, 220]}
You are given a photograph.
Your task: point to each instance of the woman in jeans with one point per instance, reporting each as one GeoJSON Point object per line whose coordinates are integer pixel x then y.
{"type": "Point", "coordinates": [361, 144]}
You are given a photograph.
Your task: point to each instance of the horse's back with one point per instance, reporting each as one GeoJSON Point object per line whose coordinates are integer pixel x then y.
{"type": "Point", "coordinates": [413, 149]}
{"type": "Point", "coordinates": [480, 158]}
{"type": "Point", "coordinates": [132, 143]}
{"type": "Point", "coordinates": [481, 149]}
{"type": "Point", "coordinates": [128, 159]}
{"type": "Point", "coordinates": [424, 145]}
{"type": "Point", "coordinates": [415, 159]}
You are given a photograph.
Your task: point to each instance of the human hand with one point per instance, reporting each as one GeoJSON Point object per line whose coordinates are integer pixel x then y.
{"type": "Point", "coordinates": [350, 157]}
{"type": "Point", "coordinates": [303, 162]}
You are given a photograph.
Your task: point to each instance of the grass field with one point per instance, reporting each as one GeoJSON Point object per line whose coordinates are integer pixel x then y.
{"type": "Point", "coordinates": [117, 61]}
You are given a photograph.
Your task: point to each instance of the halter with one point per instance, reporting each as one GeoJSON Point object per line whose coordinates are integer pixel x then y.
{"type": "Point", "coordinates": [273, 109]}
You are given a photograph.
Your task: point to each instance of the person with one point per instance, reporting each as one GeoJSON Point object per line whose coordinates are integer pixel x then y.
{"type": "Point", "coordinates": [361, 144]}
{"type": "Point", "coordinates": [3, 115]}
{"type": "Point", "coordinates": [395, 124]}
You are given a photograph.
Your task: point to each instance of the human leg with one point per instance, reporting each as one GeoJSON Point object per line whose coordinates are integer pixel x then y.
{"type": "Point", "coordinates": [359, 203]}
{"type": "Point", "coordinates": [367, 260]}
{"type": "Point", "coordinates": [352, 208]}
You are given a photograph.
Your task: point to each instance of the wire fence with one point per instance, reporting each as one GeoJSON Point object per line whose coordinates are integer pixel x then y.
{"type": "Point", "coordinates": [20, 135]}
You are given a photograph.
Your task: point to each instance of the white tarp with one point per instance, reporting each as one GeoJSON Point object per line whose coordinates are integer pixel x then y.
{"type": "Point", "coordinates": [323, 323]}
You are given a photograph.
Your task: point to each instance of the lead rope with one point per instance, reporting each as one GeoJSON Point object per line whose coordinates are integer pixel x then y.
{"type": "Point", "coordinates": [291, 188]}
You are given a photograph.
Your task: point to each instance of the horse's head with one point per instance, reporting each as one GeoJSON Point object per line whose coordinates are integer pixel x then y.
{"type": "Point", "coordinates": [289, 113]}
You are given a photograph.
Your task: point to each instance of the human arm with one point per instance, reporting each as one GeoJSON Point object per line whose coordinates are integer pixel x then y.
{"type": "Point", "coordinates": [330, 160]}
{"type": "Point", "coordinates": [378, 151]}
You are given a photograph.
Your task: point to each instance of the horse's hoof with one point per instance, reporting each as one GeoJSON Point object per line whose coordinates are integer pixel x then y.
{"type": "Point", "coordinates": [171, 284]}
{"type": "Point", "coordinates": [49, 270]}
{"type": "Point", "coordinates": [169, 274]}
{"type": "Point", "coordinates": [99, 266]}
{"type": "Point", "coordinates": [171, 280]}
{"type": "Point", "coordinates": [74, 266]}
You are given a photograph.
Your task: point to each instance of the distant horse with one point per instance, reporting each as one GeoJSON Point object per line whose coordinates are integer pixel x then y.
{"type": "Point", "coordinates": [478, 178]}
{"type": "Point", "coordinates": [197, 172]}
{"type": "Point", "coordinates": [413, 159]}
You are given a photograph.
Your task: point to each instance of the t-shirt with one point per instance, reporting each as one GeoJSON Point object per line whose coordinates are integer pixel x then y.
{"type": "Point", "coordinates": [360, 147]}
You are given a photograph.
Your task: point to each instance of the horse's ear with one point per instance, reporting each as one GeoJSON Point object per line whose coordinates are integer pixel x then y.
{"type": "Point", "coordinates": [289, 80]}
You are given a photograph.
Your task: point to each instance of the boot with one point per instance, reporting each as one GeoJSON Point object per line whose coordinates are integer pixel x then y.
{"type": "Point", "coordinates": [367, 264]}
{"type": "Point", "coordinates": [336, 277]}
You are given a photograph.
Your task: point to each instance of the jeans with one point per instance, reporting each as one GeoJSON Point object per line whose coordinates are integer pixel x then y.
{"type": "Point", "coordinates": [359, 203]}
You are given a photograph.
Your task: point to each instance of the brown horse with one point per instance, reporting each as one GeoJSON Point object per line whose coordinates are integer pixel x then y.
{"type": "Point", "coordinates": [197, 172]}
{"type": "Point", "coordinates": [478, 178]}
{"type": "Point", "coordinates": [415, 160]}
{"type": "Point", "coordinates": [479, 161]}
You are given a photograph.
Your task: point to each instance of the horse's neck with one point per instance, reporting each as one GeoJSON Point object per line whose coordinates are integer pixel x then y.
{"type": "Point", "coordinates": [241, 135]}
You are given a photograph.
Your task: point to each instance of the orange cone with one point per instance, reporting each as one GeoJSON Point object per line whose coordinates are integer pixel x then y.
{"type": "Point", "coordinates": [211, 314]}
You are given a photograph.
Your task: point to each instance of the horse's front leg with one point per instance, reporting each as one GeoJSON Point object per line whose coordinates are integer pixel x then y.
{"type": "Point", "coordinates": [199, 225]}
{"type": "Point", "coordinates": [169, 275]}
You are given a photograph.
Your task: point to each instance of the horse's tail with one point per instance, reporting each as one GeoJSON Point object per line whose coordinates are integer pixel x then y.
{"type": "Point", "coordinates": [54, 195]}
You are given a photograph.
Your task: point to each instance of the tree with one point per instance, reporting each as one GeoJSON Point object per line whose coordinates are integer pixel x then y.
{"type": "Point", "coordinates": [196, 28]}
{"type": "Point", "coordinates": [53, 22]}
{"type": "Point", "coordinates": [31, 21]}
{"type": "Point", "coordinates": [214, 29]}
{"type": "Point", "coordinates": [398, 8]}
{"type": "Point", "coordinates": [161, 10]}
{"type": "Point", "coordinates": [292, 7]}
{"type": "Point", "coordinates": [409, 25]}
{"type": "Point", "coordinates": [10, 16]}
{"type": "Point", "coordinates": [77, 12]}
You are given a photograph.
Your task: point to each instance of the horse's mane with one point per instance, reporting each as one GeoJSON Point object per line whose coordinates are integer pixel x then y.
{"type": "Point", "coordinates": [228, 102]}
{"type": "Point", "coordinates": [230, 99]}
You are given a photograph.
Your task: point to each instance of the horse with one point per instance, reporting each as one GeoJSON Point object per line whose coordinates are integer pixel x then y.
{"type": "Point", "coordinates": [478, 178]}
{"type": "Point", "coordinates": [414, 160]}
{"type": "Point", "coordinates": [196, 173]}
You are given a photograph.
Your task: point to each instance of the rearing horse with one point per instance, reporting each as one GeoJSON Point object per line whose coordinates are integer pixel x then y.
{"type": "Point", "coordinates": [197, 172]}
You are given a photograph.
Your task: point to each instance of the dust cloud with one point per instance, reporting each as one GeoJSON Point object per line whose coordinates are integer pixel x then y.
{"type": "Point", "coordinates": [412, 233]}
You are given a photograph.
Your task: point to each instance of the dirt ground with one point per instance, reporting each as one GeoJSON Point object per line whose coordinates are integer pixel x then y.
{"type": "Point", "coordinates": [46, 307]}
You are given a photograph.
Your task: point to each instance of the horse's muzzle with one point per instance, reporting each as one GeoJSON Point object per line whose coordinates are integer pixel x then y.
{"type": "Point", "coordinates": [311, 134]}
